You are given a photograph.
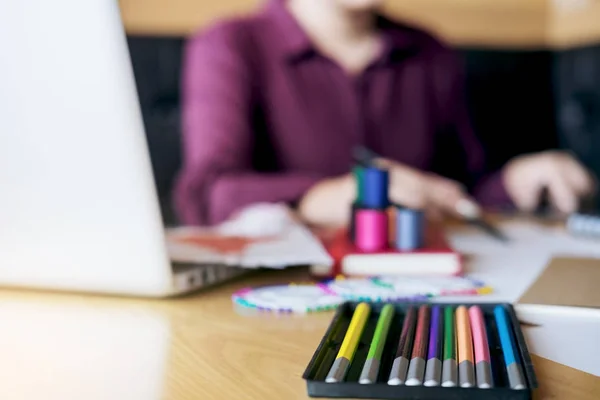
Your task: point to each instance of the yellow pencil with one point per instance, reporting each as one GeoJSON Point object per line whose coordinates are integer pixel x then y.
{"type": "Point", "coordinates": [346, 354]}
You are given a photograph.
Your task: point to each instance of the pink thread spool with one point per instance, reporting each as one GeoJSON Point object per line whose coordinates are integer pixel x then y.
{"type": "Point", "coordinates": [371, 230]}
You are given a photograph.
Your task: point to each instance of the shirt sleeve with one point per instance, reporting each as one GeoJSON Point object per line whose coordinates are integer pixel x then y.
{"type": "Point", "coordinates": [217, 176]}
{"type": "Point", "coordinates": [459, 154]}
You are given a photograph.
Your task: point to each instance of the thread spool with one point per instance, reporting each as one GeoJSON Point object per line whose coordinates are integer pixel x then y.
{"type": "Point", "coordinates": [371, 230]}
{"type": "Point", "coordinates": [375, 188]}
{"type": "Point", "coordinates": [391, 213]}
{"type": "Point", "coordinates": [409, 229]}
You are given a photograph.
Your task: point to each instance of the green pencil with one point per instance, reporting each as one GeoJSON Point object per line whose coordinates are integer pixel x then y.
{"type": "Point", "coordinates": [449, 372]}
{"type": "Point", "coordinates": [371, 367]}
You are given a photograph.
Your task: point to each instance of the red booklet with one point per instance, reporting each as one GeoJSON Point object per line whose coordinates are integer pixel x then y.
{"type": "Point", "coordinates": [436, 258]}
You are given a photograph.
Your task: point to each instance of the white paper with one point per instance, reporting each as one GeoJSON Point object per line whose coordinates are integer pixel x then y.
{"type": "Point", "coordinates": [510, 268]}
{"type": "Point", "coordinates": [566, 335]}
{"type": "Point", "coordinates": [297, 246]}
{"type": "Point", "coordinates": [525, 237]}
{"type": "Point", "coordinates": [274, 240]}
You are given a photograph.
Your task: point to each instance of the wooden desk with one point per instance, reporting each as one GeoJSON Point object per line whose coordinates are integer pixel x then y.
{"type": "Point", "coordinates": [63, 347]}
{"type": "Point", "coordinates": [485, 23]}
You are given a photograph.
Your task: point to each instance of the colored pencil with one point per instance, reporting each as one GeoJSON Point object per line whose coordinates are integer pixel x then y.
{"type": "Point", "coordinates": [416, 369]}
{"type": "Point", "coordinates": [513, 367]}
{"type": "Point", "coordinates": [449, 372]}
{"type": "Point", "coordinates": [483, 367]}
{"type": "Point", "coordinates": [340, 367]}
{"type": "Point", "coordinates": [433, 371]}
{"type": "Point", "coordinates": [373, 362]}
{"type": "Point", "coordinates": [400, 365]}
{"type": "Point", "coordinates": [466, 371]}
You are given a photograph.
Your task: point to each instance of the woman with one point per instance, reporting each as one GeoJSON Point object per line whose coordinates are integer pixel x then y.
{"type": "Point", "coordinates": [274, 104]}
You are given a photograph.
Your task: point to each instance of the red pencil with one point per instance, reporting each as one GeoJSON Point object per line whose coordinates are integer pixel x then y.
{"type": "Point", "coordinates": [416, 369]}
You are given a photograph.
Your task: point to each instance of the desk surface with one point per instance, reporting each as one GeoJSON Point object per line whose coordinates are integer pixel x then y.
{"type": "Point", "coordinates": [62, 346]}
{"type": "Point", "coordinates": [486, 23]}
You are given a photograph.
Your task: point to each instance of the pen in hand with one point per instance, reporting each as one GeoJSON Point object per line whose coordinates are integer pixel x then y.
{"type": "Point", "coordinates": [471, 213]}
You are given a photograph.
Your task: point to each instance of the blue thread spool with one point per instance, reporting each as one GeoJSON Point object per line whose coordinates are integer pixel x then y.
{"type": "Point", "coordinates": [375, 188]}
{"type": "Point", "coordinates": [410, 227]}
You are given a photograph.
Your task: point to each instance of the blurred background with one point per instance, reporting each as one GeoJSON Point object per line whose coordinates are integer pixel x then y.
{"type": "Point", "coordinates": [533, 69]}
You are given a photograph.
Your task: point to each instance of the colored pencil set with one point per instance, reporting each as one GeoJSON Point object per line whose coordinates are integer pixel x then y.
{"type": "Point", "coordinates": [402, 348]}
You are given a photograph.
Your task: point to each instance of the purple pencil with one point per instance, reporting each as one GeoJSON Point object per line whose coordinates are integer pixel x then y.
{"type": "Point", "coordinates": [433, 372]}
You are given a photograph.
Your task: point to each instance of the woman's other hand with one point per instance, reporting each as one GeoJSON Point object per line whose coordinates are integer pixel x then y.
{"type": "Point", "coordinates": [436, 195]}
{"type": "Point", "coordinates": [329, 202]}
{"type": "Point", "coordinates": [564, 177]}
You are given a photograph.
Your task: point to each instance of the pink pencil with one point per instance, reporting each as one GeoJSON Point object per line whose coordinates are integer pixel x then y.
{"type": "Point", "coordinates": [483, 369]}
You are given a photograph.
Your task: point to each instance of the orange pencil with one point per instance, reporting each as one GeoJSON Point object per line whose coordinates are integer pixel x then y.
{"type": "Point", "coordinates": [464, 339]}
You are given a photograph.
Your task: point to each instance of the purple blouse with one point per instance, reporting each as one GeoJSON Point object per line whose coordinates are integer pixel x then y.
{"type": "Point", "coordinates": [265, 116]}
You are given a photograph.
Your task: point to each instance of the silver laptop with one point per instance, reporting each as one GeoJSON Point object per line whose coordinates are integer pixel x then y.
{"type": "Point", "coordinates": [78, 205]}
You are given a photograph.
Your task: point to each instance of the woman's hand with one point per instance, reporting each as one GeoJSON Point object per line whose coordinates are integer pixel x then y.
{"type": "Point", "coordinates": [561, 174]}
{"type": "Point", "coordinates": [329, 202]}
{"type": "Point", "coordinates": [434, 194]}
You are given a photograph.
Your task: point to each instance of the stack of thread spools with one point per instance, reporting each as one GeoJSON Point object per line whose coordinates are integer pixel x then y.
{"type": "Point", "coordinates": [378, 225]}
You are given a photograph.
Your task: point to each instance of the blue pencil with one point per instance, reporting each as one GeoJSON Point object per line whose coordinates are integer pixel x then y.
{"type": "Point", "coordinates": [513, 368]}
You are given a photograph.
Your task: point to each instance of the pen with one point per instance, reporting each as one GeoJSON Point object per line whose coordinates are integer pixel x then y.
{"type": "Point", "coordinates": [471, 213]}
{"type": "Point", "coordinates": [364, 156]}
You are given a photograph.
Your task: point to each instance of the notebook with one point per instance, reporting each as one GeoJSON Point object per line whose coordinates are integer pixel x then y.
{"type": "Point", "coordinates": [437, 258]}
{"type": "Point", "coordinates": [566, 282]}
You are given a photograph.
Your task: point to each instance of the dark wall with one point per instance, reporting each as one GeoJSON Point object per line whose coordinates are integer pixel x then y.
{"type": "Point", "coordinates": [511, 102]}
{"type": "Point", "coordinates": [520, 102]}
{"type": "Point", "coordinates": [576, 79]}
{"type": "Point", "coordinates": [529, 101]}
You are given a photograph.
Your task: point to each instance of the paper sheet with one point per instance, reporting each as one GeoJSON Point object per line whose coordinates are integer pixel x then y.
{"type": "Point", "coordinates": [510, 268]}
{"type": "Point", "coordinates": [526, 237]}
{"type": "Point", "coordinates": [260, 236]}
{"type": "Point", "coordinates": [566, 335]}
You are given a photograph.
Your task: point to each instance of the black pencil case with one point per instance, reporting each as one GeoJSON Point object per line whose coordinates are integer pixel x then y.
{"type": "Point", "coordinates": [327, 351]}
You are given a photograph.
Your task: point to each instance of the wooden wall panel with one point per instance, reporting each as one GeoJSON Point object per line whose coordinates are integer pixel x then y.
{"type": "Point", "coordinates": [178, 17]}
{"type": "Point", "coordinates": [474, 23]}
{"type": "Point", "coordinates": [576, 23]}
{"type": "Point", "coordinates": [478, 23]}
